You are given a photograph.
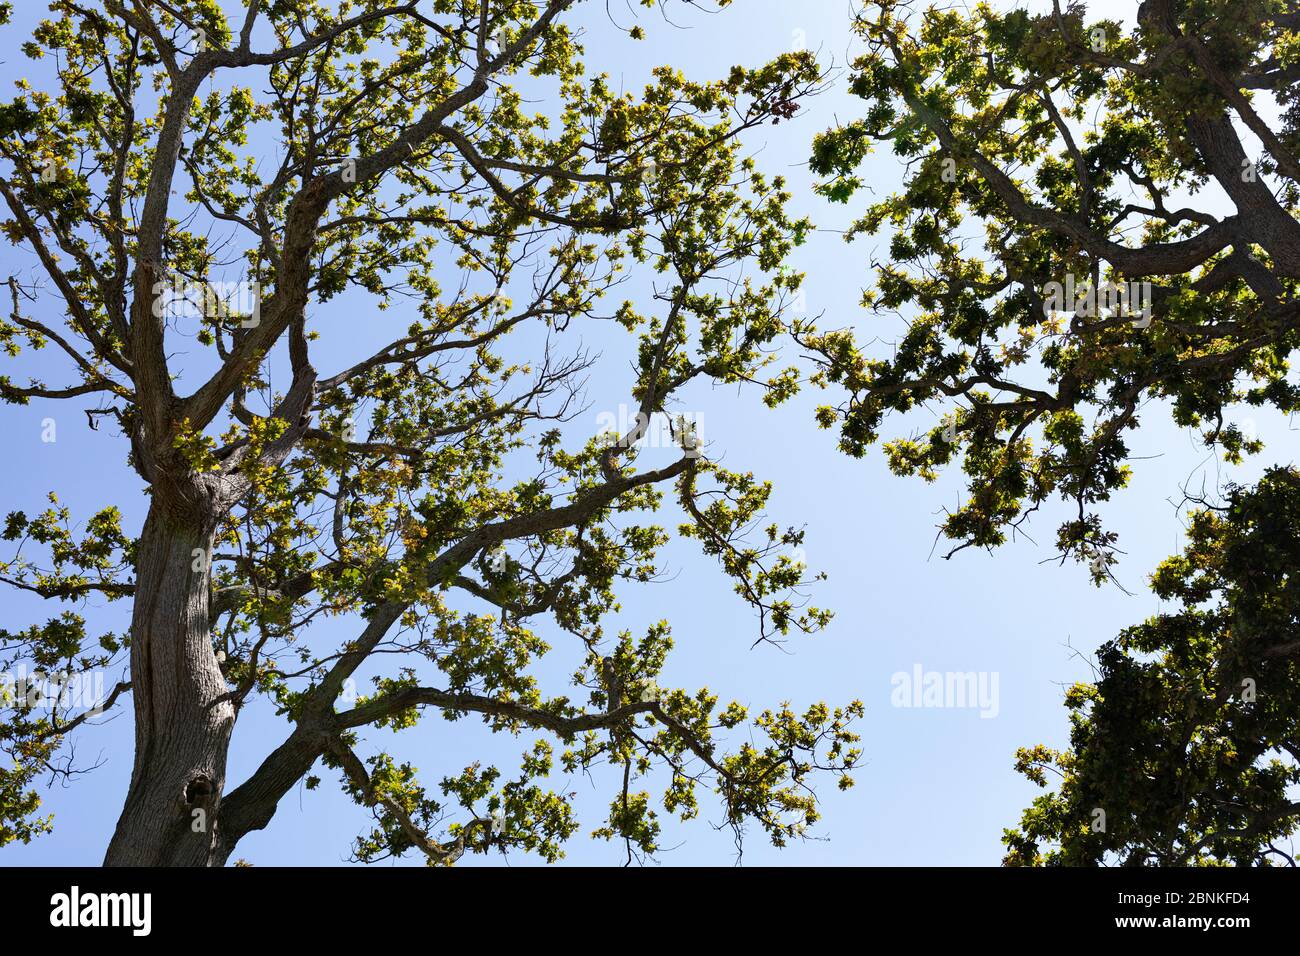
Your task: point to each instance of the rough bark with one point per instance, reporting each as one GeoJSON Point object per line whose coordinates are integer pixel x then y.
{"type": "Point", "coordinates": [183, 719]}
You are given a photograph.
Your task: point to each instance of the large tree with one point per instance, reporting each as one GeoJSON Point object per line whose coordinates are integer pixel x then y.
{"type": "Point", "coordinates": [1052, 157]}
{"type": "Point", "coordinates": [392, 158]}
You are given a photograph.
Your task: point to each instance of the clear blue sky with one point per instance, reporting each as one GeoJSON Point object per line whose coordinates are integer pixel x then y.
{"type": "Point", "coordinates": [936, 785]}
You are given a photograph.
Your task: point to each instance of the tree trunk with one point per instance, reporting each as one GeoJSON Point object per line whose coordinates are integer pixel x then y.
{"type": "Point", "coordinates": [183, 722]}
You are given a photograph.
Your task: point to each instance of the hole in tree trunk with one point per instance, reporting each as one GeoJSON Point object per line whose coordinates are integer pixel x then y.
{"type": "Point", "coordinates": [198, 790]}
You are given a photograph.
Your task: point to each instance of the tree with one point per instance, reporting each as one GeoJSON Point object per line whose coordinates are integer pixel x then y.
{"type": "Point", "coordinates": [394, 491]}
{"type": "Point", "coordinates": [1083, 231]}
{"type": "Point", "coordinates": [1185, 751]}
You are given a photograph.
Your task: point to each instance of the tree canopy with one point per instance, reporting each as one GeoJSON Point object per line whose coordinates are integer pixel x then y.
{"type": "Point", "coordinates": [1097, 221]}
{"type": "Point", "coordinates": [1052, 152]}
{"type": "Point", "coordinates": [1187, 742]}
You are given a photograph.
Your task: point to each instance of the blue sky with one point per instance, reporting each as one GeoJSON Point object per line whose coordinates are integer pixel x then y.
{"type": "Point", "coordinates": [936, 785]}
